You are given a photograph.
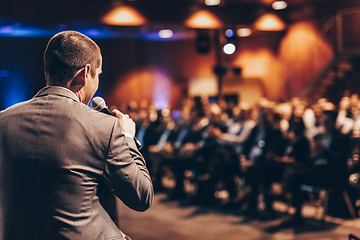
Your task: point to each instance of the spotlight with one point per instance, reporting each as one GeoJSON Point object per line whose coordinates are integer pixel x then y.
{"type": "Point", "coordinates": [229, 33]}
{"type": "Point", "coordinates": [243, 32]}
{"type": "Point", "coordinates": [203, 20]}
{"type": "Point", "coordinates": [212, 2]}
{"type": "Point", "coordinates": [231, 41]}
{"type": "Point", "coordinates": [279, 5]}
{"type": "Point", "coordinates": [229, 48]}
{"type": "Point", "coordinates": [269, 22]}
{"type": "Point", "coordinates": [124, 16]}
{"type": "Point", "coordinates": [165, 33]}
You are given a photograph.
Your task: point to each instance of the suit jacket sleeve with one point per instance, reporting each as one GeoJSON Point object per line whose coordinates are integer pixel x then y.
{"type": "Point", "coordinates": [126, 171]}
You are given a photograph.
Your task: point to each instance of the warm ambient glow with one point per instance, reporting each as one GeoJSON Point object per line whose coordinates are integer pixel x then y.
{"type": "Point", "coordinates": [124, 16]}
{"type": "Point", "coordinates": [152, 85]}
{"type": "Point", "coordinates": [279, 5]}
{"type": "Point", "coordinates": [243, 32]}
{"type": "Point", "coordinates": [261, 63]}
{"type": "Point", "coordinates": [269, 22]}
{"type": "Point", "coordinates": [267, 2]}
{"type": "Point", "coordinates": [212, 2]}
{"type": "Point", "coordinates": [203, 19]}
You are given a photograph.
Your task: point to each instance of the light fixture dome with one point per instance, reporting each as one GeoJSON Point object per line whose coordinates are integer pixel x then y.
{"type": "Point", "coordinates": [124, 16]}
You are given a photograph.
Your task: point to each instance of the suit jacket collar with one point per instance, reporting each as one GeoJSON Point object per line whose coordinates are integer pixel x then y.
{"type": "Point", "coordinates": [57, 90]}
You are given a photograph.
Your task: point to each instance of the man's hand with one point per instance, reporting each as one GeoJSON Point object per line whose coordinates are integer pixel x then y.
{"type": "Point", "coordinates": [126, 123]}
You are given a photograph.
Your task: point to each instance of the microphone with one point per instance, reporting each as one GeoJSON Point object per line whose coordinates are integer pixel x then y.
{"type": "Point", "coordinates": [98, 104]}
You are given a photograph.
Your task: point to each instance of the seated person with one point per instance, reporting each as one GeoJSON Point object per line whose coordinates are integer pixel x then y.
{"type": "Point", "coordinates": [161, 152]}
{"type": "Point", "coordinates": [231, 143]}
{"type": "Point", "coordinates": [264, 141]}
{"type": "Point", "coordinates": [329, 157]}
{"type": "Point", "coordinates": [187, 141]}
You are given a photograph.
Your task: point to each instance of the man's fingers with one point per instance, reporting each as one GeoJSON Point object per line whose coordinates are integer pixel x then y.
{"type": "Point", "coordinates": [118, 113]}
{"type": "Point", "coordinates": [126, 123]}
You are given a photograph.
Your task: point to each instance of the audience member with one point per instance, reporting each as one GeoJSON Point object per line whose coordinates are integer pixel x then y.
{"type": "Point", "coordinates": [263, 142]}
{"type": "Point", "coordinates": [209, 159]}
{"type": "Point", "coordinates": [161, 152]}
{"type": "Point", "coordinates": [329, 170]}
{"type": "Point", "coordinates": [232, 147]}
{"type": "Point", "coordinates": [217, 147]}
{"type": "Point", "coordinates": [186, 145]}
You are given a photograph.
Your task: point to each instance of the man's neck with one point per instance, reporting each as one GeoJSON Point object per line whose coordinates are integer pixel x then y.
{"type": "Point", "coordinates": [64, 87]}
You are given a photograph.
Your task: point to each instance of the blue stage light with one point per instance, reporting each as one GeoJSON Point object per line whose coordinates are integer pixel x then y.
{"type": "Point", "coordinates": [14, 89]}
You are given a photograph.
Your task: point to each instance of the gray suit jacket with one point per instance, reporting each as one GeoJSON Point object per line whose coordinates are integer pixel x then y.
{"type": "Point", "coordinates": [54, 154]}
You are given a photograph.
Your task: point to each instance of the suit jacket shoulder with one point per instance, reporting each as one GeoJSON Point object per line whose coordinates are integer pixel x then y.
{"type": "Point", "coordinates": [54, 153]}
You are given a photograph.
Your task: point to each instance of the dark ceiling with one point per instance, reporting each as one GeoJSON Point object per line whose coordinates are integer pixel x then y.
{"type": "Point", "coordinates": [160, 13]}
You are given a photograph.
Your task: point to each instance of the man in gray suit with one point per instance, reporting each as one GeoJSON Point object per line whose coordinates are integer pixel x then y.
{"type": "Point", "coordinates": [55, 152]}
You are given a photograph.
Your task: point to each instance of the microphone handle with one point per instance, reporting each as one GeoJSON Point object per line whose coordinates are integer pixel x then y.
{"type": "Point", "coordinates": [108, 111]}
{"type": "Point", "coordinates": [137, 142]}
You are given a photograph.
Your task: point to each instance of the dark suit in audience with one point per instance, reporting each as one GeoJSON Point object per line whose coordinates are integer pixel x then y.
{"type": "Point", "coordinates": [264, 142]}
{"type": "Point", "coordinates": [329, 170]}
{"type": "Point", "coordinates": [187, 142]}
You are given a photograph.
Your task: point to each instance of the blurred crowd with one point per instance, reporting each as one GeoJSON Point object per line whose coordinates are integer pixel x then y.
{"type": "Point", "coordinates": [205, 148]}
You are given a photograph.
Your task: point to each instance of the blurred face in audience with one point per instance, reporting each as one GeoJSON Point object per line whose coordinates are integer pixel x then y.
{"type": "Point", "coordinates": [344, 103]}
{"type": "Point", "coordinates": [354, 98]}
{"type": "Point", "coordinates": [215, 114]}
{"type": "Point", "coordinates": [236, 112]}
{"type": "Point", "coordinates": [299, 110]}
{"type": "Point", "coordinates": [185, 114]}
{"type": "Point", "coordinates": [317, 112]}
{"type": "Point", "coordinates": [166, 115]}
{"type": "Point", "coordinates": [143, 115]}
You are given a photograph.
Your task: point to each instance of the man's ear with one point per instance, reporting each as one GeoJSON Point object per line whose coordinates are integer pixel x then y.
{"type": "Point", "coordinates": [82, 76]}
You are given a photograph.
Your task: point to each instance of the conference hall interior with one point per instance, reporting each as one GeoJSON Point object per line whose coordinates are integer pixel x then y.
{"type": "Point", "coordinates": [221, 91]}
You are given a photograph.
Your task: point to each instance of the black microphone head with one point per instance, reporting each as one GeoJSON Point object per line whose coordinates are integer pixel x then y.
{"type": "Point", "coordinates": [98, 103]}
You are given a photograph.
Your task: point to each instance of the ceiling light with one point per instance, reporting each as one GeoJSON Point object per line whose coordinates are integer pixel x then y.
{"type": "Point", "coordinates": [165, 33]}
{"type": "Point", "coordinates": [124, 16]}
{"type": "Point", "coordinates": [229, 33]}
{"type": "Point", "coordinates": [212, 2]}
{"type": "Point", "coordinates": [269, 22]}
{"type": "Point", "coordinates": [203, 20]}
{"type": "Point", "coordinates": [229, 48]}
{"type": "Point", "coordinates": [243, 32]}
{"type": "Point", "coordinates": [279, 5]}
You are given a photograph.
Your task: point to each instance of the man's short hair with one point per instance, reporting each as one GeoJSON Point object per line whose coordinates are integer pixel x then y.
{"type": "Point", "coordinates": [66, 53]}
